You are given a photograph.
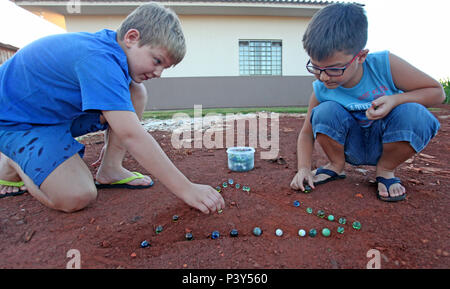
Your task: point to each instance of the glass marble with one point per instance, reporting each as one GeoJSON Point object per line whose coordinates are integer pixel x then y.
{"type": "Point", "coordinates": [159, 229]}
{"type": "Point", "coordinates": [356, 225]}
{"type": "Point", "coordinates": [340, 230]}
{"type": "Point", "coordinates": [302, 233]}
{"type": "Point", "coordinates": [309, 210]}
{"type": "Point", "coordinates": [320, 213]}
{"type": "Point", "coordinates": [326, 232]}
{"type": "Point", "coordinates": [237, 186]}
{"type": "Point", "coordinates": [312, 232]}
{"type": "Point", "coordinates": [296, 204]}
{"type": "Point", "coordinates": [279, 232]}
{"type": "Point", "coordinates": [257, 231]}
{"type": "Point", "coordinates": [330, 218]}
{"type": "Point", "coordinates": [215, 235]}
{"type": "Point", "coordinates": [342, 221]}
{"type": "Point", "coordinates": [188, 236]}
{"type": "Point", "coordinates": [234, 233]}
{"type": "Point", "coordinates": [145, 244]}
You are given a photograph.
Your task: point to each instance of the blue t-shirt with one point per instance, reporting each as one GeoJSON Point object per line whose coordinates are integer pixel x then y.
{"type": "Point", "coordinates": [57, 78]}
{"type": "Point", "coordinates": [375, 82]}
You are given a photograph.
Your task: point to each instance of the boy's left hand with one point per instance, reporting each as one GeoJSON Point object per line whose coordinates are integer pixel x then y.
{"type": "Point", "coordinates": [380, 108]}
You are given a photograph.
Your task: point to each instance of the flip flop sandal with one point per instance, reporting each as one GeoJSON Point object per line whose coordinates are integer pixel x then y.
{"type": "Point", "coordinates": [333, 176]}
{"type": "Point", "coordinates": [388, 183]}
{"type": "Point", "coordinates": [12, 184]}
{"type": "Point", "coordinates": [123, 183]}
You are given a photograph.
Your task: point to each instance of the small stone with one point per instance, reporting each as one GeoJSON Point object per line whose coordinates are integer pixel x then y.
{"type": "Point", "coordinates": [296, 204]}
{"type": "Point", "coordinates": [279, 232]}
{"type": "Point", "coordinates": [326, 232]}
{"type": "Point", "coordinates": [356, 225]}
{"type": "Point", "coordinates": [342, 221]}
{"type": "Point", "coordinates": [230, 181]}
{"type": "Point", "coordinates": [320, 214]}
{"type": "Point", "coordinates": [234, 233]}
{"type": "Point", "coordinates": [133, 255]}
{"type": "Point", "coordinates": [330, 218]}
{"type": "Point", "coordinates": [145, 244]}
{"type": "Point", "coordinates": [312, 232]}
{"type": "Point", "coordinates": [302, 233]}
{"type": "Point", "coordinates": [237, 186]}
{"type": "Point", "coordinates": [175, 218]}
{"type": "Point", "coordinates": [257, 231]}
{"type": "Point", "coordinates": [189, 236]}
{"type": "Point", "coordinates": [309, 210]}
{"type": "Point", "coordinates": [340, 230]}
{"type": "Point", "coordinates": [159, 229]}
{"type": "Point", "coordinates": [215, 235]}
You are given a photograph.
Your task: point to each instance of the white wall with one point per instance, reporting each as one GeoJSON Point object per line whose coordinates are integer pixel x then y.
{"type": "Point", "coordinates": [213, 41]}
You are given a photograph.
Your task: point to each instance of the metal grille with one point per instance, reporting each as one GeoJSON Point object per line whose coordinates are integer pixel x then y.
{"type": "Point", "coordinates": [260, 57]}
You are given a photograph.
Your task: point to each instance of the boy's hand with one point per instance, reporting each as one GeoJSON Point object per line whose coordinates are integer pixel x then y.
{"type": "Point", "coordinates": [380, 107]}
{"type": "Point", "coordinates": [302, 175]}
{"type": "Point", "coordinates": [202, 197]}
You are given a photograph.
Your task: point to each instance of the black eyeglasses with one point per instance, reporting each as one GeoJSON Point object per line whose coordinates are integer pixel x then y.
{"type": "Point", "coordinates": [330, 71]}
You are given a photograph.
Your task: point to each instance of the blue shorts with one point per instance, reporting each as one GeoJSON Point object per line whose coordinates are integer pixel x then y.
{"type": "Point", "coordinates": [410, 122]}
{"type": "Point", "coordinates": [39, 149]}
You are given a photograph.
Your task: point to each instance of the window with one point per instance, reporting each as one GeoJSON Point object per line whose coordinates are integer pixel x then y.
{"type": "Point", "coordinates": [260, 57]}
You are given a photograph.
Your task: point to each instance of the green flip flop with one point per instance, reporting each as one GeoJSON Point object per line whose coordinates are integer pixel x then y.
{"type": "Point", "coordinates": [12, 184]}
{"type": "Point", "coordinates": [123, 183]}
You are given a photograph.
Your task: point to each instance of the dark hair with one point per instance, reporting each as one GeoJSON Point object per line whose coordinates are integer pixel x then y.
{"type": "Point", "coordinates": [337, 27]}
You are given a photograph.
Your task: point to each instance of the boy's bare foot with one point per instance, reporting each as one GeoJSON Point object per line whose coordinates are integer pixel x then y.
{"type": "Point", "coordinates": [7, 173]}
{"type": "Point", "coordinates": [395, 190]}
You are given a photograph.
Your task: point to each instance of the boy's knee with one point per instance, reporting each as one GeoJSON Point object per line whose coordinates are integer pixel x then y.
{"type": "Point", "coordinates": [412, 115]}
{"type": "Point", "coordinates": [328, 112]}
{"type": "Point", "coordinates": [75, 202]}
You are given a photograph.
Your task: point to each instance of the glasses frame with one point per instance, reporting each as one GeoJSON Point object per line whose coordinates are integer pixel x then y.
{"type": "Point", "coordinates": [322, 69]}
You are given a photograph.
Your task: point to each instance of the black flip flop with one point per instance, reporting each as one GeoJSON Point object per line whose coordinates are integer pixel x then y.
{"type": "Point", "coordinates": [333, 176]}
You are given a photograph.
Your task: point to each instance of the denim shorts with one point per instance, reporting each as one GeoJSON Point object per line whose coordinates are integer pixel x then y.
{"type": "Point", "coordinates": [410, 122]}
{"type": "Point", "coordinates": [38, 150]}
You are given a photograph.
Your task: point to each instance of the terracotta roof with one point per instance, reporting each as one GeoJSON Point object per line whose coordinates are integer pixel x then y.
{"type": "Point", "coordinates": [7, 46]}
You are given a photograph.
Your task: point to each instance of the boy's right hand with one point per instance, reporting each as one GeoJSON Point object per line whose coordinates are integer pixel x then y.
{"type": "Point", "coordinates": [203, 197]}
{"type": "Point", "coordinates": [303, 175]}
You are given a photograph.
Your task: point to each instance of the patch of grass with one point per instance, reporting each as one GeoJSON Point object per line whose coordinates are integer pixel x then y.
{"type": "Point", "coordinates": [165, 114]}
{"type": "Point", "coordinates": [446, 84]}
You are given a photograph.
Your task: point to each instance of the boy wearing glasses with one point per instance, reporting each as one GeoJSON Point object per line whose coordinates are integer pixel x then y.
{"type": "Point", "coordinates": [365, 109]}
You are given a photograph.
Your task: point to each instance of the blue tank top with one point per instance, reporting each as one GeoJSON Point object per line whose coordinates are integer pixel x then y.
{"type": "Point", "coordinates": [57, 78]}
{"type": "Point", "coordinates": [375, 82]}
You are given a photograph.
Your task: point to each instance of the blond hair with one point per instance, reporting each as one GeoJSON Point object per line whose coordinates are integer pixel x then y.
{"type": "Point", "coordinates": [158, 26]}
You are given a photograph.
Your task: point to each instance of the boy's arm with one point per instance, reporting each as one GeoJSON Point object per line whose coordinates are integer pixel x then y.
{"type": "Point", "coordinates": [305, 147]}
{"type": "Point", "coordinates": [144, 148]}
{"type": "Point", "coordinates": [417, 86]}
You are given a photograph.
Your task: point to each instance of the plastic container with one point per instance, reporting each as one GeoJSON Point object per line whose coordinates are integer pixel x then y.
{"type": "Point", "coordinates": [241, 159]}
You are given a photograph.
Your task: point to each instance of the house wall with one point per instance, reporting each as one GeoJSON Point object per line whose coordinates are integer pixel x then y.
{"type": "Point", "coordinates": [209, 73]}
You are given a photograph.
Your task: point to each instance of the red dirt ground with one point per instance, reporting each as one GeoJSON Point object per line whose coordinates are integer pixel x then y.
{"type": "Point", "coordinates": [410, 234]}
